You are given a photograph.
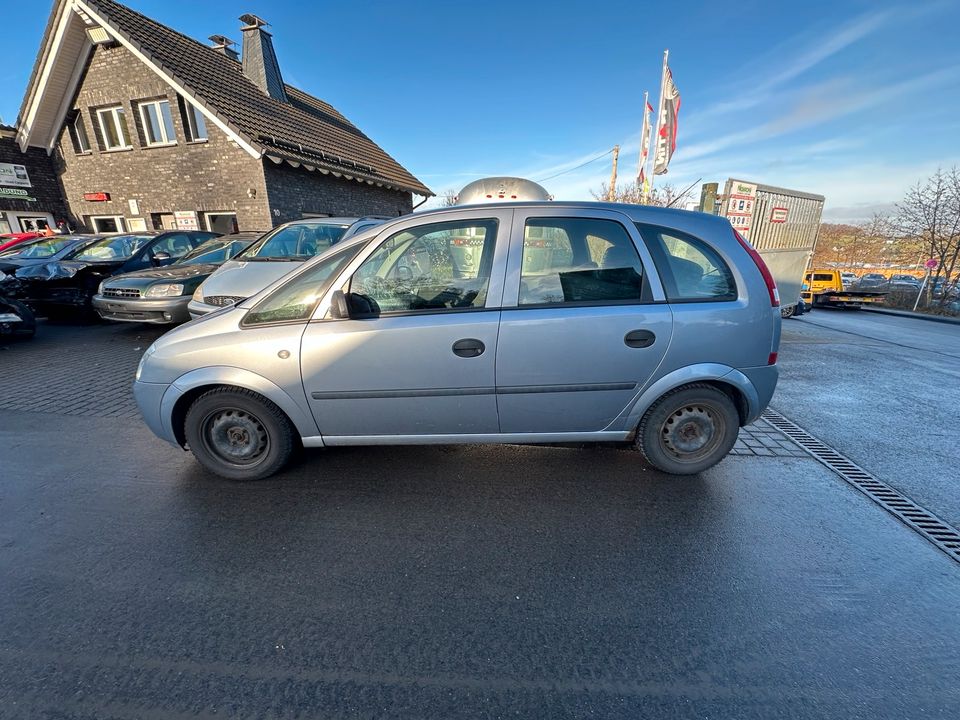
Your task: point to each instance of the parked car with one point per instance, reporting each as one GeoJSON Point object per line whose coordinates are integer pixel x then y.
{"type": "Point", "coordinates": [904, 282]}
{"type": "Point", "coordinates": [16, 319]}
{"type": "Point", "coordinates": [160, 295]}
{"type": "Point", "coordinates": [651, 326]}
{"type": "Point", "coordinates": [872, 280]}
{"type": "Point", "coordinates": [43, 250]}
{"type": "Point", "coordinates": [10, 240]}
{"type": "Point", "coordinates": [849, 279]}
{"type": "Point", "coordinates": [272, 257]}
{"type": "Point", "coordinates": [68, 286]}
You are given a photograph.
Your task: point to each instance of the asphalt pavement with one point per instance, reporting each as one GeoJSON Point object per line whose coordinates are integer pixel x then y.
{"type": "Point", "coordinates": [446, 582]}
{"type": "Point", "coordinates": [883, 390]}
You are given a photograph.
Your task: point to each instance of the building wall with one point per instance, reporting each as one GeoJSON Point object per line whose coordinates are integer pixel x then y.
{"type": "Point", "coordinates": [43, 180]}
{"type": "Point", "coordinates": [295, 191]}
{"type": "Point", "coordinates": [211, 176]}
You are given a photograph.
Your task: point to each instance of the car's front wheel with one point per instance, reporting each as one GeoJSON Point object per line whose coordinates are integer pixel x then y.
{"type": "Point", "coordinates": [238, 434]}
{"type": "Point", "coordinates": [688, 430]}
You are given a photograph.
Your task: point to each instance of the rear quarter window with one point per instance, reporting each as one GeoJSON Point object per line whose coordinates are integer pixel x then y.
{"type": "Point", "coordinates": [691, 270]}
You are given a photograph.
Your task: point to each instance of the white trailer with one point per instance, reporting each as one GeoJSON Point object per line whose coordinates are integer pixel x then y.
{"type": "Point", "coordinates": [783, 225]}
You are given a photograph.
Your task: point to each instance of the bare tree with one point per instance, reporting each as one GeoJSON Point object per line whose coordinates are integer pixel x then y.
{"type": "Point", "coordinates": [447, 198]}
{"type": "Point", "coordinates": [930, 212]}
{"type": "Point", "coordinates": [665, 195]}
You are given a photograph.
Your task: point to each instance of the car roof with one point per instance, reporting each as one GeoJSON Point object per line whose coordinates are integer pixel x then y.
{"type": "Point", "coordinates": [324, 220]}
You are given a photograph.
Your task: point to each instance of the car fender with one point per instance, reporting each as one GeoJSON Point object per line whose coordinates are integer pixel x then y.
{"type": "Point", "coordinates": [691, 374]}
{"type": "Point", "coordinates": [302, 420]}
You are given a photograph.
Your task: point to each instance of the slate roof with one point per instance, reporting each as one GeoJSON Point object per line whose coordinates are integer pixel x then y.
{"type": "Point", "coordinates": [306, 130]}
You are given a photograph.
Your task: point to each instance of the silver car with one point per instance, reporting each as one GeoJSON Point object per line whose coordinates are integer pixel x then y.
{"type": "Point", "coordinates": [272, 257]}
{"type": "Point", "coordinates": [508, 323]}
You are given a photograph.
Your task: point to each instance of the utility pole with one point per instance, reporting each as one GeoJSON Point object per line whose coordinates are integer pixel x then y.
{"type": "Point", "coordinates": [612, 190]}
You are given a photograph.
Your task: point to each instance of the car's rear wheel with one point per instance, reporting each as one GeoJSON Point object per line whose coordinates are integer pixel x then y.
{"type": "Point", "coordinates": [238, 434]}
{"type": "Point", "coordinates": [689, 429]}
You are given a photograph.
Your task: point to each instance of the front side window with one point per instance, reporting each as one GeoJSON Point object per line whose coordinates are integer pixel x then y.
{"type": "Point", "coordinates": [175, 245]}
{"type": "Point", "coordinates": [691, 270]}
{"type": "Point", "coordinates": [157, 122]}
{"type": "Point", "coordinates": [296, 242]}
{"type": "Point", "coordinates": [113, 127]}
{"type": "Point", "coordinates": [440, 266]}
{"type": "Point", "coordinates": [298, 298]}
{"type": "Point", "coordinates": [579, 260]}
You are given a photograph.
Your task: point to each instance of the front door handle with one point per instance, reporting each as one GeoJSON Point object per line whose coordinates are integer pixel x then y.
{"type": "Point", "coordinates": [468, 348]}
{"type": "Point", "coordinates": [639, 338]}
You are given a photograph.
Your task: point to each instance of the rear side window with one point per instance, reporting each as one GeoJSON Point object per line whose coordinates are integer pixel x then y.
{"type": "Point", "coordinates": [579, 260]}
{"type": "Point", "coordinates": [691, 270]}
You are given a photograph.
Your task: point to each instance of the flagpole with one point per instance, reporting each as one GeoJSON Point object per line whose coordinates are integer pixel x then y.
{"type": "Point", "coordinates": [641, 161]}
{"type": "Point", "coordinates": [656, 130]}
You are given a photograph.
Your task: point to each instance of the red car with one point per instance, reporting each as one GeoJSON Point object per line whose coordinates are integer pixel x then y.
{"type": "Point", "coordinates": [12, 239]}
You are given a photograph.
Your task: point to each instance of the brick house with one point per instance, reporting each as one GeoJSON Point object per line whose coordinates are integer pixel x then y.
{"type": "Point", "coordinates": [150, 129]}
{"type": "Point", "coordinates": [30, 197]}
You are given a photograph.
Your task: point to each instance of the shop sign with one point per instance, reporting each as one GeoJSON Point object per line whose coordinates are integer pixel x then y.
{"type": "Point", "coordinates": [97, 196]}
{"type": "Point", "coordinates": [15, 175]}
{"type": "Point", "coordinates": [16, 194]}
{"type": "Point", "coordinates": [186, 220]}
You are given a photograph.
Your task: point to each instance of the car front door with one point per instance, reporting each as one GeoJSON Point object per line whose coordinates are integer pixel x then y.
{"type": "Point", "coordinates": [417, 355]}
{"type": "Point", "coordinates": [584, 322]}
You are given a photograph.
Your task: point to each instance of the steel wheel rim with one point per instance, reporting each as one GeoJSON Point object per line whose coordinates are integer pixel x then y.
{"type": "Point", "coordinates": [692, 432]}
{"type": "Point", "coordinates": [235, 436]}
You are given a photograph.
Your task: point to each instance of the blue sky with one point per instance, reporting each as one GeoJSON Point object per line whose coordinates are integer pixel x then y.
{"type": "Point", "coordinates": [853, 99]}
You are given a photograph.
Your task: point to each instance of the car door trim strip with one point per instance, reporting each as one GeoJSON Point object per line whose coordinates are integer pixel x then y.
{"type": "Point", "coordinates": [449, 392]}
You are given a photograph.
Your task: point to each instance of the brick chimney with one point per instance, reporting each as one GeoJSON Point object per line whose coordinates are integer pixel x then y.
{"type": "Point", "coordinates": [259, 61]}
{"type": "Point", "coordinates": [224, 46]}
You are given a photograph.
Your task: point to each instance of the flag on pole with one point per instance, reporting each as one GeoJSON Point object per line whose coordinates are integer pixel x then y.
{"type": "Point", "coordinates": [666, 122]}
{"type": "Point", "coordinates": [644, 143]}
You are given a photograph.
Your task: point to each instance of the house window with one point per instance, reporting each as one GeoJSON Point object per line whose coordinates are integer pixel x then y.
{"type": "Point", "coordinates": [80, 140]}
{"type": "Point", "coordinates": [196, 124]}
{"type": "Point", "coordinates": [157, 122]}
{"type": "Point", "coordinates": [113, 125]}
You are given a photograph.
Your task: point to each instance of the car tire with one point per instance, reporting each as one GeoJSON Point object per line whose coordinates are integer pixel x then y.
{"type": "Point", "coordinates": [688, 430]}
{"type": "Point", "coordinates": [788, 311]}
{"type": "Point", "coordinates": [239, 434]}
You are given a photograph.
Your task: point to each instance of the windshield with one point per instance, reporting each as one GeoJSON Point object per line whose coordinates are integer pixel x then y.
{"type": "Point", "coordinates": [214, 251]}
{"type": "Point", "coordinates": [296, 242]}
{"type": "Point", "coordinates": [48, 247]}
{"type": "Point", "coordinates": [116, 247]}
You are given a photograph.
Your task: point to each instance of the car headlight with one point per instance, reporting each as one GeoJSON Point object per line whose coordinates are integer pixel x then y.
{"type": "Point", "coordinates": [198, 294]}
{"type": "Point", "coordinates": [165, 290]}
{"type": "Point", "coordinates": [150, 351]}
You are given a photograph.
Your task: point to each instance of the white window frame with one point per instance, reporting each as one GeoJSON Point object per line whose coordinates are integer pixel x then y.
{"type": "Point", "coordinates": [142, 105]}
{"type": "Point", "coordinates": [118, 126]}
{"type": "Point", "coordinates": [81, 138]}
{"type": "Point", "coordinates": [121, 224]}
{"type": "Point", "coordinates": [208, 215]}
{"type": "Point", "coordinates": [192, 114]}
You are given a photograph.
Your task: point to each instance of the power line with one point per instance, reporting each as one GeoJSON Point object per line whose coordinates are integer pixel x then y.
{"type": "Point", "coordinates": [564, 172]}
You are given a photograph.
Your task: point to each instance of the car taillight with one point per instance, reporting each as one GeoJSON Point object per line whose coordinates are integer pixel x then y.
{"type": "Point", "coordinates": [762, 267]}
{"type": "Point", "coordinates": [772, 359]}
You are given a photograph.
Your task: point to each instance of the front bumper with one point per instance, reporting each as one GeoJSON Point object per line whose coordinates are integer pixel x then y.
{"type": "Point", "coordinates": [149, 397]}
{"type": "Point", "coordinates": [160, 311]}
{"type": "Point", "coordinates": [199, 309]}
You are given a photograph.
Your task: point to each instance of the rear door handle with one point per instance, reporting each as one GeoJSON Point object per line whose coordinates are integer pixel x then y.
{"type": "Point", "coordinates": [468, 348]}
{"type": "Point", "coordinates": [639, 338]}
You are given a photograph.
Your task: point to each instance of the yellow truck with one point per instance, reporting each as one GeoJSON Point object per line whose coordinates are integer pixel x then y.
{"type": "Point", "coordinates": [824, 288]}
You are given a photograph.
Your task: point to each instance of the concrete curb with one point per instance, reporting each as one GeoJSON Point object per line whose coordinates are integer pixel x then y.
{"type": "Point", "coordinates": [908, 314]}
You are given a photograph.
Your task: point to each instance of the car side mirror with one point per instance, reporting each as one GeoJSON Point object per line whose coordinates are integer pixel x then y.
{"type": "Point", "coordinates": [161, 257]}
{"type": "Point", "coordinates": [339, 308]}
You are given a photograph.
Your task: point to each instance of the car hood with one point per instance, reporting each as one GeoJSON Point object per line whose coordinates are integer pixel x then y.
{"type": "Point", "coordinates": [243, 279]}
{"type": "Point", "coordinates": [170, 274]}
{"type": "Point", "coordinates": [68, 269]}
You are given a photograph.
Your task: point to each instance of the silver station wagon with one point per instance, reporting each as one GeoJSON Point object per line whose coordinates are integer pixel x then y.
{"type": "Point", "coordinates": [518, 322]}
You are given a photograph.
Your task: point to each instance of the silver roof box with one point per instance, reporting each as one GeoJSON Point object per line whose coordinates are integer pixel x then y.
{"type": "Point", "coordinates": [496, 189]}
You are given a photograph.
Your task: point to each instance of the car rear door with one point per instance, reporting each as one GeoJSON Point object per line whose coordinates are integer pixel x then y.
{"type": "Point", "coordinates": [584, 324]}
{"type": "Point", "coordinates": [422, 361]}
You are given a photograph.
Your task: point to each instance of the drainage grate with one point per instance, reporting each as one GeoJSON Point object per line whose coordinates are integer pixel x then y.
{"type": "Point", "coordinates": [944, 536]}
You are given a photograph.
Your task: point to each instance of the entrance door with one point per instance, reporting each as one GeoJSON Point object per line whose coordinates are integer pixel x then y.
{"type": "Point", "coordinates": [585, 333]}
{"type": "Point", "coordinates": [223, 223]}
{"type": "Point", "coordinates": [420, 359]}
